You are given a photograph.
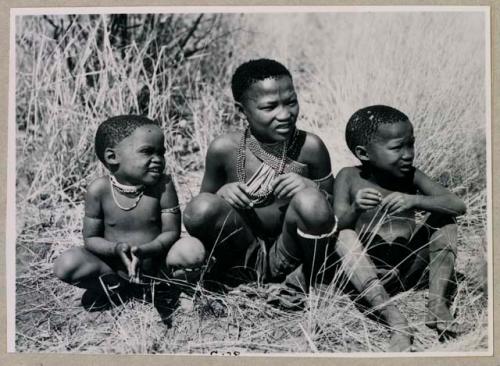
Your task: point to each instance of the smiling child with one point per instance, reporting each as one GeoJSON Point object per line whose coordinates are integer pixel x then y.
{"type": "Point", "coordinates": [264, 192]}
{"type": "Point", "coordinates": [132, 218]}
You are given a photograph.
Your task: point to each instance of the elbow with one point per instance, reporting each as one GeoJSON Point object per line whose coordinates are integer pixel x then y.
{"type": "Point", "coordinates": [176, 234]}
{"type": "Point", "coordinates": [459, 207]}
{"type": "Point", "coordinates": [462, 208]}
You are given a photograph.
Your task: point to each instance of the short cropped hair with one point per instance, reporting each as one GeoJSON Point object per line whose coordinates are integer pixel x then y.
{"type": "Point", "coordinates": [363, 124]}
{"type": "Point", "coordinates": [255, 70]}
{"type": "Point", "coordinates": [112, 131]}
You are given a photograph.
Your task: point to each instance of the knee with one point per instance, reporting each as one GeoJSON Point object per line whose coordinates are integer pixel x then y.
{"type": "Point", "coordinates": [444, 238]}
{"type": "Point", "coordinates": [348, 244]}
{"type": "Point", "coordinates": [187, 252]}
{"type": "Point", "coordinates": [67, 264]}
{"type": "Point", "coordinates": [200, 211]}
{"type": "Point", "coordinates": [313, 211]}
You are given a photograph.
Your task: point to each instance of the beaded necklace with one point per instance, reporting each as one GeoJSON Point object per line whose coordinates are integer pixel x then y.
{"type": "Point", "coordinates": [137, 191]}
{"type": "Point", "coordinates": [275, 156]}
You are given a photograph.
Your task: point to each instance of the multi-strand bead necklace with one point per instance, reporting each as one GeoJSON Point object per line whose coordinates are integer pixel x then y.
{"type": "Point", "coordinates": [273, 155]}
{"type": "Point", "coordinates": [136, 191]}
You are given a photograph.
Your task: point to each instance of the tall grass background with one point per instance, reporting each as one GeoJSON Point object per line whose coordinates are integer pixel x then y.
{"type": "Point", "coordinates": [73, 72]}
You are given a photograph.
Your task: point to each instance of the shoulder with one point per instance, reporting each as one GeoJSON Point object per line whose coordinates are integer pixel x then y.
{"type": "Point", "coordinates": [350, 172]}
{"type": "Point", "coordinates": [312, 143]}
{"type": "Point", "coordinates": [164, 186]}
{"type": "Point", "coordinates": [419, 174]}
{"type": "Point", "coordinates": [98, 187]}
{"type": "Point", "coordinates": [313, 152]}
{"type": "Point", "coordinates": [167, 191]}
{"type": "Point", "coordinates": [96, 192]}
{"type": "Point", "coordinates": [420, 180]}
{"type": "Point", "coordinates": [349, 175]}
{"type": "Point", "coordinates": [224, 144]}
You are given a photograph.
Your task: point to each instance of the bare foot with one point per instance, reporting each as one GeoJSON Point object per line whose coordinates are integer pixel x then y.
{"type": "Point", "coordinates": [402, 337]}
{"type": "Point", "coordinates": [440, 318]}
{"type": "Point", "coordinates": [401, 341]}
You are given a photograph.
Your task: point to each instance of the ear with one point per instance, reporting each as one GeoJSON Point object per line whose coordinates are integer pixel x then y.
{"type": "Point", "coordinates": [110, 156]}
{"type": "Point", "coordinates": [240, 109]}
{"type": "Point", "coordinates": [361, 153]}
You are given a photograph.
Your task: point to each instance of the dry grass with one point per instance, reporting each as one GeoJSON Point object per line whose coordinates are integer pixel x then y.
{"type": "Point", "coordinates": [435, 76]}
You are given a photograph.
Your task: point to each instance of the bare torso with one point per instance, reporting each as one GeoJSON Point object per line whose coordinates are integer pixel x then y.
{"type": "Point", "coordinates": [390, 228]}
{"type": "Point", "coordinates": [266, 220]}
{"type": "Point", "coordinates": [137, 226]}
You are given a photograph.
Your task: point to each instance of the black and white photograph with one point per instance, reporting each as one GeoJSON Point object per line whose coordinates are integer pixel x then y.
{"type": "Point", "coordinates": [241, 181]}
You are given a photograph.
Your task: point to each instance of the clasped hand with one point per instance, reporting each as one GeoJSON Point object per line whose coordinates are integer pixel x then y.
{"type": "Point", "coordinates": [396, 202]}
{"type": "Point", "coordinates": [131, 258]}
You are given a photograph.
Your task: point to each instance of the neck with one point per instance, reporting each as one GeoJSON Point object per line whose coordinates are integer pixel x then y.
{"type": "Point", "coordinates": [268, 143]}
{"type": "Point", "coordinates": [385, 180]}
{"type": "Point", "coordinates": [125, 188]}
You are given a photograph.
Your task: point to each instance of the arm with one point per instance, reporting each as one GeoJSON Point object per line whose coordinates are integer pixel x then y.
{"type": "Point", "coordinates": [170, 224]}
{"type": "Point", "coordinates": [320, 167]}
{"type": "Point", "coordinates": [346, 213]}
{"type": "Point", "coordinates": [215, 179]}
{"type": "Point", "coordinates": [318, 162]}
{"type": "Point", "coordinates": [346, 208]}
{"type": "Point", "coordinates": [435, 198]}
{"type": "Point", "coordinates": [93, 221]}
{"type": "Point", "coordinates": [215, 175]}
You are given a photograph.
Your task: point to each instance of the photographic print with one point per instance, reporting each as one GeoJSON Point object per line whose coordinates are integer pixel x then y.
{"type": "Point", "coordinates": [248, 181]}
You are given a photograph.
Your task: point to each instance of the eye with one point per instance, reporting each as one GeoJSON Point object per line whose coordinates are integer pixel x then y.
{"type": "Point", "coordinates": [396, 147]}
{"type": "Point", "coordinates": [267, 108]}
{"type": "Point", "coordinates": [146, 150]}
{"type": "Point", "coordinates": [292, 102]}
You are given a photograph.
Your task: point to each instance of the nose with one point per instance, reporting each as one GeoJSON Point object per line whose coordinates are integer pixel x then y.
{"type": "Point", "coordinates": [283, 113]}
{"type": "Point", "coordinates": [408, 153]}
{"type": "Point", "coordinates": [158, 158]}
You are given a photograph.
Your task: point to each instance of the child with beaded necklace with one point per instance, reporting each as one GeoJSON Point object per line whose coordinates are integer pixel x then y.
{"type": "Point", "coordinates": [132, 220]}
{"type": "Point", "coordinates": [264, 212]}
{"type": "Point", "coordinates": [261, 185]}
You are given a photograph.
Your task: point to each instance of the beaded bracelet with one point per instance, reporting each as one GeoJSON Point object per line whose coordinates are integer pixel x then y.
{"type": "Point", "coordinates": [321, 236]}
{"type": "Point", "coordinates": [173, 210]}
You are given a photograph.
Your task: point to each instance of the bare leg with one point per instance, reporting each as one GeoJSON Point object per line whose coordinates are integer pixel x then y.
{"type": "Point", "coordinates": [362, 275]}
{"type": "Point", "coordinates": [220, 228]}
{"type": "Point", "coordinates": [442, 254]}
{"type": "Point", "coordinates": [79, 267]}
{"type": "Point", "coordinates": [184, 260]}
{"type": "Point", "coordinates": [434, 245]}
{"type": "Point", "coordinates": [308, 221]}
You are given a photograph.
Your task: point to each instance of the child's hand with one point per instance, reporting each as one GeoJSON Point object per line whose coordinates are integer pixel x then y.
{"type": "Point", "coordinates": [367, 198]}
{"type": "Point", "coordinates": [236, 195]}
{"type": "Point", "coordinates": [287, 185]}
{"type": "Point", "coordinates": [135, 268]}
{"type": "Point", "coordinates": [122, 250]}
{"type": "Point", "coordinates": [398, 202]}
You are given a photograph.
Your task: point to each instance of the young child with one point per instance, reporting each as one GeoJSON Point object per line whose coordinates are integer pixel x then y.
{"type": "Point", "coordinates": [377, 201]}
{"type": "Point", "coordinates": [132, 218]}
{"type": "Point", "coordinates": [264, 206]}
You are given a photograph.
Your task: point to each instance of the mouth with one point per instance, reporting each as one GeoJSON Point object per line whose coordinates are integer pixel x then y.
{"type": "Point", "coordinates": [156, 170]}
{"type": "Point", "coordinates": [406, 168]}
{"type": "Point", "coordinates": [284, 128]}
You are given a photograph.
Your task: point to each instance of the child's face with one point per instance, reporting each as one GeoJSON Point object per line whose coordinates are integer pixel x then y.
{"type": "Point", "coordinates": [140, 156]}
{"type": "Point", "coordinates": [271, 108]}
{"type": "Point", "coordinates": [392, 149]}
